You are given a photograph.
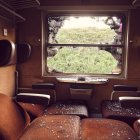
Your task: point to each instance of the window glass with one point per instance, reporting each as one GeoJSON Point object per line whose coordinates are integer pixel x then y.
{"type": "Point", "coordinates": [85, 30]}
{"type": "Point", "coordinates": [85, 44]}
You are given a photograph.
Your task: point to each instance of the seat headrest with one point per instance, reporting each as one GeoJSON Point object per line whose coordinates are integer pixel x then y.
{"type": "Point", "coordinates": [7, 53]}
{"type": "Point", "coordinates": [23, 52]}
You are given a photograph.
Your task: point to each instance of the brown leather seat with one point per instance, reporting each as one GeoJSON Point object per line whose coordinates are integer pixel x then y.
{"type": "Point", "coordinates": [69, 127]}
{"type": "Point", "coordinates": [62, 107]}
{"type": "Point", "coordinates": [53, 127]}
{"type": "Point", "coordinates": [106, 129]}
{"type": "Point", "coordinates": [113, 109]}
{"type": "Point", "coordinates": [34, 110]}
{"type": "Point", "coordinates": [13, 119]}
{"type": "Point", "coordinates": [67, 108]}
{"type": "Point", "coordinates": [23, 54]}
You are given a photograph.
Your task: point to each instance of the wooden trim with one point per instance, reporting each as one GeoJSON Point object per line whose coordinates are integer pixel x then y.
{"type": "Point", "coordinates": [86, 8]}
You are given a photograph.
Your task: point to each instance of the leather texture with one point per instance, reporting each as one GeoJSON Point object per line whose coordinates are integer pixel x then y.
{"type": "Point", "coordinates": [13, 119]}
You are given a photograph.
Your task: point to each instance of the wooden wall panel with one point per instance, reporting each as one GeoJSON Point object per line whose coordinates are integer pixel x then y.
{"type": "Point", "coordinates": [7, 80]}
{"type": "Point", "coordinates": [87, 2]}
{"type": "Point", "coordinates": [7, 74]}
{"type": "Point", "coordinates": [30, 32]}
{"type": "Point", "coordinates": [10, 28]}
{"type": "Point", "coordinates": [134, 47]}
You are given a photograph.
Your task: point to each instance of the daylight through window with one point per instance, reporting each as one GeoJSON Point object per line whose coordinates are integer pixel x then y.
{"type": "Point", "coordinates": [86, 45]}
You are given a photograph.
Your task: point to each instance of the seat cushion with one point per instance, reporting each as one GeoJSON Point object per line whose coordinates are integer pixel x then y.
{"type": "Point", "coordinates": [7, 53]}
{"type": "Point", "coordinates": [106, 129]}
{"type": "Point", "coordinates": [23, 52]}
{"type": "Point", "coordinates": [69, 127]}
{"type": "Point", "coordinates": [61, 108]}
{"type": "Point", "coordinates": [112, 109]}
{"type": "Point", "coordinates": [53, 127]}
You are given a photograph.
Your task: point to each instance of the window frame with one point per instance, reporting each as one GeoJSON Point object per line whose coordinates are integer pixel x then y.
{"type": "Point", "coordinates": [122, 75]}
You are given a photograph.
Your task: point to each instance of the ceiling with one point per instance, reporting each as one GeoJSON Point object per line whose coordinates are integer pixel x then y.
{"type": "Point", "coordinates": [8, 7]}
{"type": "Point", "coordinates": [21, 4]}
{"type": "Point", "coordinates": [136, 2]}
{"type": "Point", "coordinates": [88, 2]}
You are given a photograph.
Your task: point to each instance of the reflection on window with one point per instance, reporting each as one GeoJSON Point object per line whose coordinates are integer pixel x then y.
{"type": "Point", "coordinates": [85, 44]}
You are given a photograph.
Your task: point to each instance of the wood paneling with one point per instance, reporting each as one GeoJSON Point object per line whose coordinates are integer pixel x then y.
{"type": "Point", "coordinates": [134, 47]}
{"type": "Point", "coordinates": [87, 2]}
{"type": "Point", "coordinates": [10, 30]}
{"type": "Point", "coordinates": [30, 32]}
{"type": "Point", "coordinates": [7, 80]}
{"type": "Point", "coordinates": [7, 74]}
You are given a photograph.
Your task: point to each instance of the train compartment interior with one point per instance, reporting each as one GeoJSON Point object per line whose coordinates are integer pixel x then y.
{"type": "Point", "coordinates": [69, 70]}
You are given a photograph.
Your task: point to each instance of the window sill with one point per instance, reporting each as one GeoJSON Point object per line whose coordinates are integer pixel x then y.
{"type": "Point", "coordinates": [87, 80]}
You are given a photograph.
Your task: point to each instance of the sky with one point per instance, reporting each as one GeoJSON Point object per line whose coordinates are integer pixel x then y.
{"type": "Point", "coordinates": [73, 22]}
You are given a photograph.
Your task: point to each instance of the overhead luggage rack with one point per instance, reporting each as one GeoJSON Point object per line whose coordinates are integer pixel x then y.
{"type": "Point", "coordinates": [21, 4]}
{"type": "Point", "coordinates": [10, 15]}
{"type": "Point", "coordinates": [8, 9]}
{"type": "Point", "coordinates": [136, 2]}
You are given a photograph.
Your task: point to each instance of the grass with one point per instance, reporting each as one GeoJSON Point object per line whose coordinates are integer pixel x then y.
{"type": "Point", "coordinates": [82, 60]}
{"type": "Point", "coordinates": [85, 36]}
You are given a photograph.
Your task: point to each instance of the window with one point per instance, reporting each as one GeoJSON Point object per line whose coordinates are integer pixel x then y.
{"type": "Point", "coordinates": [88, 45]}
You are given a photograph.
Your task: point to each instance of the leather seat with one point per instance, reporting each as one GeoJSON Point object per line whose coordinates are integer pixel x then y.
{"type": "Point", "coordinates": [106, 129]}
{"type": "Point", "coordinates": [23, 54]}
{"type": "Point", "coordinates": [70, 127]}
{"type": "Point", "coordinates": [53, 127]}
{"type": "Point", "coordinates": [62, 107]}
{"type": "Point", "coordinates": [13, 119]}
{"type": "Point", "coordinates": [113, 109]}
{"type": "Point", "coordinates": [34, 110]}
{"type": "Point", "coordinates": [67, 108]}
{"type": "Point", "coordinates": [133, 102]}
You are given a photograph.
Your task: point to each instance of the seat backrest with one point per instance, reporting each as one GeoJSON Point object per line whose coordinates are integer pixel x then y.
{"type": "Point", "coordinates": [47, 86]}
{"type": "Point", "coordinates": [31, 101]}
{"type": "Point", "coordinates": [123, 89]}
{"type": "Point", "coordinates": [23, 52]}
{"type": "Point", "coordinates": [13, 119]}
{"type": "Point", "coordinates": [7, 53]}
{"type": "Point", "coordinates": [130, 102]}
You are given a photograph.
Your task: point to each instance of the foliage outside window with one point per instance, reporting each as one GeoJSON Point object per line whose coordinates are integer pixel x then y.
{"type": "Point", "coordinates": [85, 44]}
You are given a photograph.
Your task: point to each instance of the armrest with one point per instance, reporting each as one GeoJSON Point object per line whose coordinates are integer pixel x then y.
{"type": "Point", "coordinates": [33, 98]}
{"type": "Point", "coordinates": [124, 88]}
{"type": "Point", "coordinates": [130, 102]}
{"type": "Point", "coordinates": [43, 86]}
